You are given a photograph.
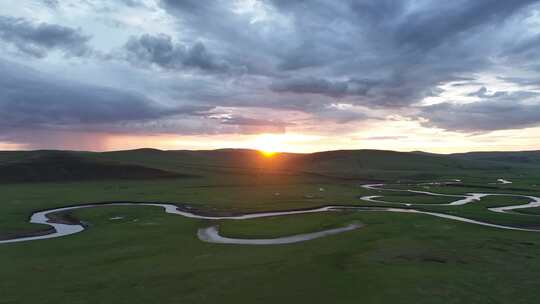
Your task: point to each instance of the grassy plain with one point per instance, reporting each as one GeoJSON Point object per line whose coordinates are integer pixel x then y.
{"type": "Point", "coordinates": [148, 256]}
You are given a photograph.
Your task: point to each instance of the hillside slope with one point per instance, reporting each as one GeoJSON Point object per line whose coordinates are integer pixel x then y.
{"type": "Point", "coordinates": [52, 166]}
{"type": "Point", "coordinates": [348, 164]}
{"type": "Point", "coordinates": [520, 158]}
{"type": "Point", "coordinates": [220, 164]}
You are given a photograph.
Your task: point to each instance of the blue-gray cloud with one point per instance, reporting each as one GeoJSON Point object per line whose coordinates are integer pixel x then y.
{"type": "Point", "coordinates": [37, 39]}
{"type": "Point", "coordinates": [133, 3]}
{"type": "Point", "coordinates": [29, 99]}
{"type": "Point", "coordinates": [385, 55]}
{"type": "Point", "coordinates": [160, 50]}
{"type": "Point", "coordinates": [434, 24]}
{"type": "Point", "coordinates": [393, 53]}
{"type": "Point", "coordinates": [51, 3]}
{"type": "Point", "coordinates": [311, 85]}
{"type": "Point", "coordinates": [498, 111]}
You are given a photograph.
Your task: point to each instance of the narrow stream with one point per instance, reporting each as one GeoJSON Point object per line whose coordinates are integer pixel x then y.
{"type": "Point", "coordinates": [211, 234]}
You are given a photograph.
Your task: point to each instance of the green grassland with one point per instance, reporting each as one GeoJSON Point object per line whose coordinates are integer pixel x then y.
{"type": "Point", "coordinates": [148, 256]}
{"type": "Point", "coordinates": [530, 211]}
{"type": "Point", "coordinates": [406, 198]}
{"type": "Point", "coordinates": [393, 259]}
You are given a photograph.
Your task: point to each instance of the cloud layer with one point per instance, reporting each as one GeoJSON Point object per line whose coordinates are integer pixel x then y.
{"type": "Point", "coordinates": [37, 39]}
{"type": "Point", "coordinates": [163, 66]}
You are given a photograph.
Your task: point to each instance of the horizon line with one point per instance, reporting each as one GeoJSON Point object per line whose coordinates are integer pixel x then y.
{"type": "Point", "coordinates": [260, 150]}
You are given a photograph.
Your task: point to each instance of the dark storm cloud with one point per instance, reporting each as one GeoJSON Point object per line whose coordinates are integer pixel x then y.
{"type": "Point", "coordinates": [248, 125]}
{"type": "Point", "coordinates": [37, 39]}
{"type": "Point", "coordinates": [29, 99]}
{"type": "Point", "coordinates": [311, 85]}
{"type": "Point", "coordinates": [161, 51]}
{"type": "Point", "coordinates": [310, 56]}
{"type": "Point", "coordinates": [435, 24]}
{"type": "Point", "coordinates": [479, 93]}
{"type": "Point", "coordinates": [499, 111]}
{"type": "Point", "coordinates": [405, 51]}
{"type": "Point", "coordinates": [394, 53]}
{"type": "Point", "coordinates": [245, 45]}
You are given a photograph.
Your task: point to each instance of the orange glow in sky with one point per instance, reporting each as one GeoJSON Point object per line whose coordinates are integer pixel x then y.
{"type": "Point", "coordinates": [412, 138]}
{"type": "Point", "coordinates": [398, 136]}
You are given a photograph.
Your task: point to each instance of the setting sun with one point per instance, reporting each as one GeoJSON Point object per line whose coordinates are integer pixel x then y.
{"type": "Point", "coordinates": [267, 153]}
{"type": "Point", "coordinates": [269, 144]}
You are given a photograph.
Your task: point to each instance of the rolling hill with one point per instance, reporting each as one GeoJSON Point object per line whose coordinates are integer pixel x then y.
{"type": "Point", "coordinates": [519, 158]}
{"type": "Point", "coordinates": [44, 166]}
{"type": "Point", "coordinates": [58, 166]}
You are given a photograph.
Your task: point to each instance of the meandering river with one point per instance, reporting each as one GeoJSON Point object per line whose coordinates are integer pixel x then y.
{"type": "Point", "coordinates": [211, 234]}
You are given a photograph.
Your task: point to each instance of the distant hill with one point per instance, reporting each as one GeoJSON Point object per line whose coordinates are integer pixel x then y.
{"type": "Point", "coordinates": [526, 158]}
{"type": "Point", "coordinates": [344, 164]}
{"type": "Point", "coordinates": [56, 166]}
{"type": "Point", "coordinates": [348, 164]}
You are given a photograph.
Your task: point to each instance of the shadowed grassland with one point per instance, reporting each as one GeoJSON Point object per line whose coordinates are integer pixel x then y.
{"type": "Point", "coordinates": [395, 258]}
{"type": "Point", "coordinates": [529, 211]}
{"type": "Point", "coordinates": [478, 211]}
{"type": "Point", "coordinates": [414, 198]}
{"type": "Point", "coordinates": [230, 195]}
{"type": "Point", "coordinates": [142, 255]}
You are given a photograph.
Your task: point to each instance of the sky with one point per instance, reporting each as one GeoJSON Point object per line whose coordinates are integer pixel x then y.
{"type": "Point", "coordinates": [279, 75]}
